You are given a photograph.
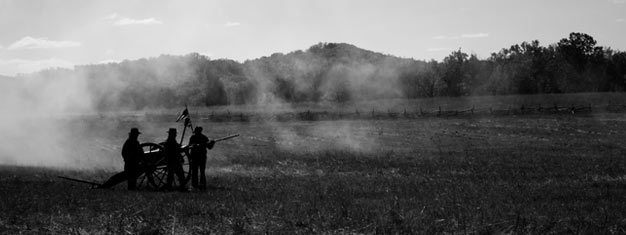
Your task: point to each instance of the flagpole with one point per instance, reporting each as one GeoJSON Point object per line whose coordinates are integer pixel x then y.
{"type": "Point", "coordinates": [187, 121]}
{"type": "Point", "coordinates": [182, 137]}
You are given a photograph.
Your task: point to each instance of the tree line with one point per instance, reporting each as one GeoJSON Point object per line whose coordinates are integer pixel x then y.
{"type": "Point", "coordinates": [339, 72]}
{"type": "Point", "coordinates": [574, 64]}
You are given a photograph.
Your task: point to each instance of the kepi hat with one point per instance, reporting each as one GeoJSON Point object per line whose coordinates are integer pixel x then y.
{"type": "Point", "coordinates": [171, 130]}
{"type": "Point", "coordinates": [198, 129]}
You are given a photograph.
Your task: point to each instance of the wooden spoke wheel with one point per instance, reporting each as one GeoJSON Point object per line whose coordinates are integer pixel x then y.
{"type": "Point", "coordinates": [154, 170]}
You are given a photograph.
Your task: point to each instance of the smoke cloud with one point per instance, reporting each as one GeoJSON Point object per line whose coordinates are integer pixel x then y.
{"type": "Point", "coordinates": [343, 80]}
{"type": "Point", "coordinates": [36, 120]}
{"type": "Point", "coordinates": [78, 118]}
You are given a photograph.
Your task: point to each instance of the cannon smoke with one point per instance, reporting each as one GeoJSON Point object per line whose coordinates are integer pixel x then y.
{"type": "Point", "coordinates": [35, 125]}
{"type": "Point", "coordinates": [69, 118]}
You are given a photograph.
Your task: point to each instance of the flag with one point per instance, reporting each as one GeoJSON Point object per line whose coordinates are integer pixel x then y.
{"type": "Point", "coordinates": [183, 115]}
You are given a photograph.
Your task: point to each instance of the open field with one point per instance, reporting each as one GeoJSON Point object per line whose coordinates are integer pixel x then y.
{"type": "Point", "coordinates": [530, 174]}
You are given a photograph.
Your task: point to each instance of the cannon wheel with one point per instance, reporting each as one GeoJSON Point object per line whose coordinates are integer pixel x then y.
{"type": "Point", "coordinates": [154, 174]}
{"type": "Point", "coordinates": [154, 171]}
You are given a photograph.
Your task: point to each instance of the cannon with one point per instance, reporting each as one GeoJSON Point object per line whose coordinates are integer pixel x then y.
{"type": "Point", "coordinates": [153, 170]}
{"type": "Point", "coordinates": [152, 173]}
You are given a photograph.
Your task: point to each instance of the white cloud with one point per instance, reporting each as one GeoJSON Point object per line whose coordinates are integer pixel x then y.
{"type": "Point", "coordinates": [618, 1]}
{"type": "Point", "coordinates": [111, 17]}
{"type": "Point", "coordinates": [41, 43]}
{"type": "Point", "coordinates": [108, 61]}
{"type": "Point", "coordinates": [475, 35]}
{"type": "Point", "coordinates": [232, 24]}
{"type": "Point", "coordinates": [15, 66]}
{"type": "Point", "coordinates": [620, 20]}
{"type": "Point", "coordinates": [129, 21]}
{"type": "Point", "coordinates": [118, 20]}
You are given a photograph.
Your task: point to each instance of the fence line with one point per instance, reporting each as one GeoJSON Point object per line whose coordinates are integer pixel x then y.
{"type": "Point", "coordinates": [405, 113]}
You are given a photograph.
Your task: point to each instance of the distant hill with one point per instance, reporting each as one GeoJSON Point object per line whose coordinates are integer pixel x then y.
{"type": "Point", "coordinates": [336, 72]}
{"type": "Point", "coordinates": [329, 72]}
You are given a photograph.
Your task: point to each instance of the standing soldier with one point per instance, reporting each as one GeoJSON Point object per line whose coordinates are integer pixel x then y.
{"type": "Point", "coordinates": [174, 159]}
{"type": "Point", "coordinates": [132, 153]}
{"type": "Point", "coordinates": [199, 144]}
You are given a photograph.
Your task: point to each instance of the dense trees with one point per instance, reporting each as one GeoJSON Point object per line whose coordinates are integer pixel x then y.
{"type": "Point", "coordinates": [338, 72]}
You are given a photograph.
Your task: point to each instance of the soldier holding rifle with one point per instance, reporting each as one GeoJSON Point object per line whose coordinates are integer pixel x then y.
{"type": "Point", "coordinates": [199, 144]}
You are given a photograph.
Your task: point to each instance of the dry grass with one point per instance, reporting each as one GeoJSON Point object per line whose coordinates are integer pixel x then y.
{"type": "Point", "coordinates": [503, 175]}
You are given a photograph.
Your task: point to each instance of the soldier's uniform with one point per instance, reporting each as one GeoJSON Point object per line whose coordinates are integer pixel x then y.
{"type": "Point", "coordinates": [197, 158]}
{"type": "Point", "coordinates": [174, 160]}
{"type": "Point", "coordinates": [132, 154]}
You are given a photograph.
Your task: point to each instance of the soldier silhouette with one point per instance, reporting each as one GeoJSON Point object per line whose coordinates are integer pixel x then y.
{"type": "Point", "coordinates": [132, 154]}
{"type": "Point", "coordinates": [174, 160]}
{"type": "Point", "coordinates": [199, 144]}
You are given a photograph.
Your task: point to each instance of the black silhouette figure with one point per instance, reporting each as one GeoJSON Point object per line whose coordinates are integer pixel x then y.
{"type": "Point", "coordinates": [174, 160]}
{"type": "Point", "coordinates": [199, 144]}
{"type": "Point", "coordinates": [132, 154]}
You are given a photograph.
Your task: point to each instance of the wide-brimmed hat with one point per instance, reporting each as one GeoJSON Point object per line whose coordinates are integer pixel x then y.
{"type": "Point", "coordinates": [198, 129]}
{"type": "Point", "coordinates": [134, 131]}
{"type": "Point", "coordinates": [171, 130]}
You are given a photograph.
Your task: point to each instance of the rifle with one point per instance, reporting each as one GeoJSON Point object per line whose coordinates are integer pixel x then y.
{"type": "Point", "coordinates": [226, 138]}
{"type": "Point", "coordinates": [212, 142]}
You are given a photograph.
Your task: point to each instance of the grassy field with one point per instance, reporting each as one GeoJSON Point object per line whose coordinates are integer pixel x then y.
{"type": "Point", "coordinates": [531, 174]}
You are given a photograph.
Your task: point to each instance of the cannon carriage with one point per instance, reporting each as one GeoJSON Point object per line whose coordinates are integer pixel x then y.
{"type": "Point", "coordinates": [152, 172]}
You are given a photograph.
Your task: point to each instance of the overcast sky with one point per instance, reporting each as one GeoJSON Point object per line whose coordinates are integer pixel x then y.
{"type": "Point", "coordinates": [41, 33]}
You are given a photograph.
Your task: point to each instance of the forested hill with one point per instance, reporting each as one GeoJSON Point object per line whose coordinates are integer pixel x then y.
{"type": "Point", "coordinates": [339, 72]}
